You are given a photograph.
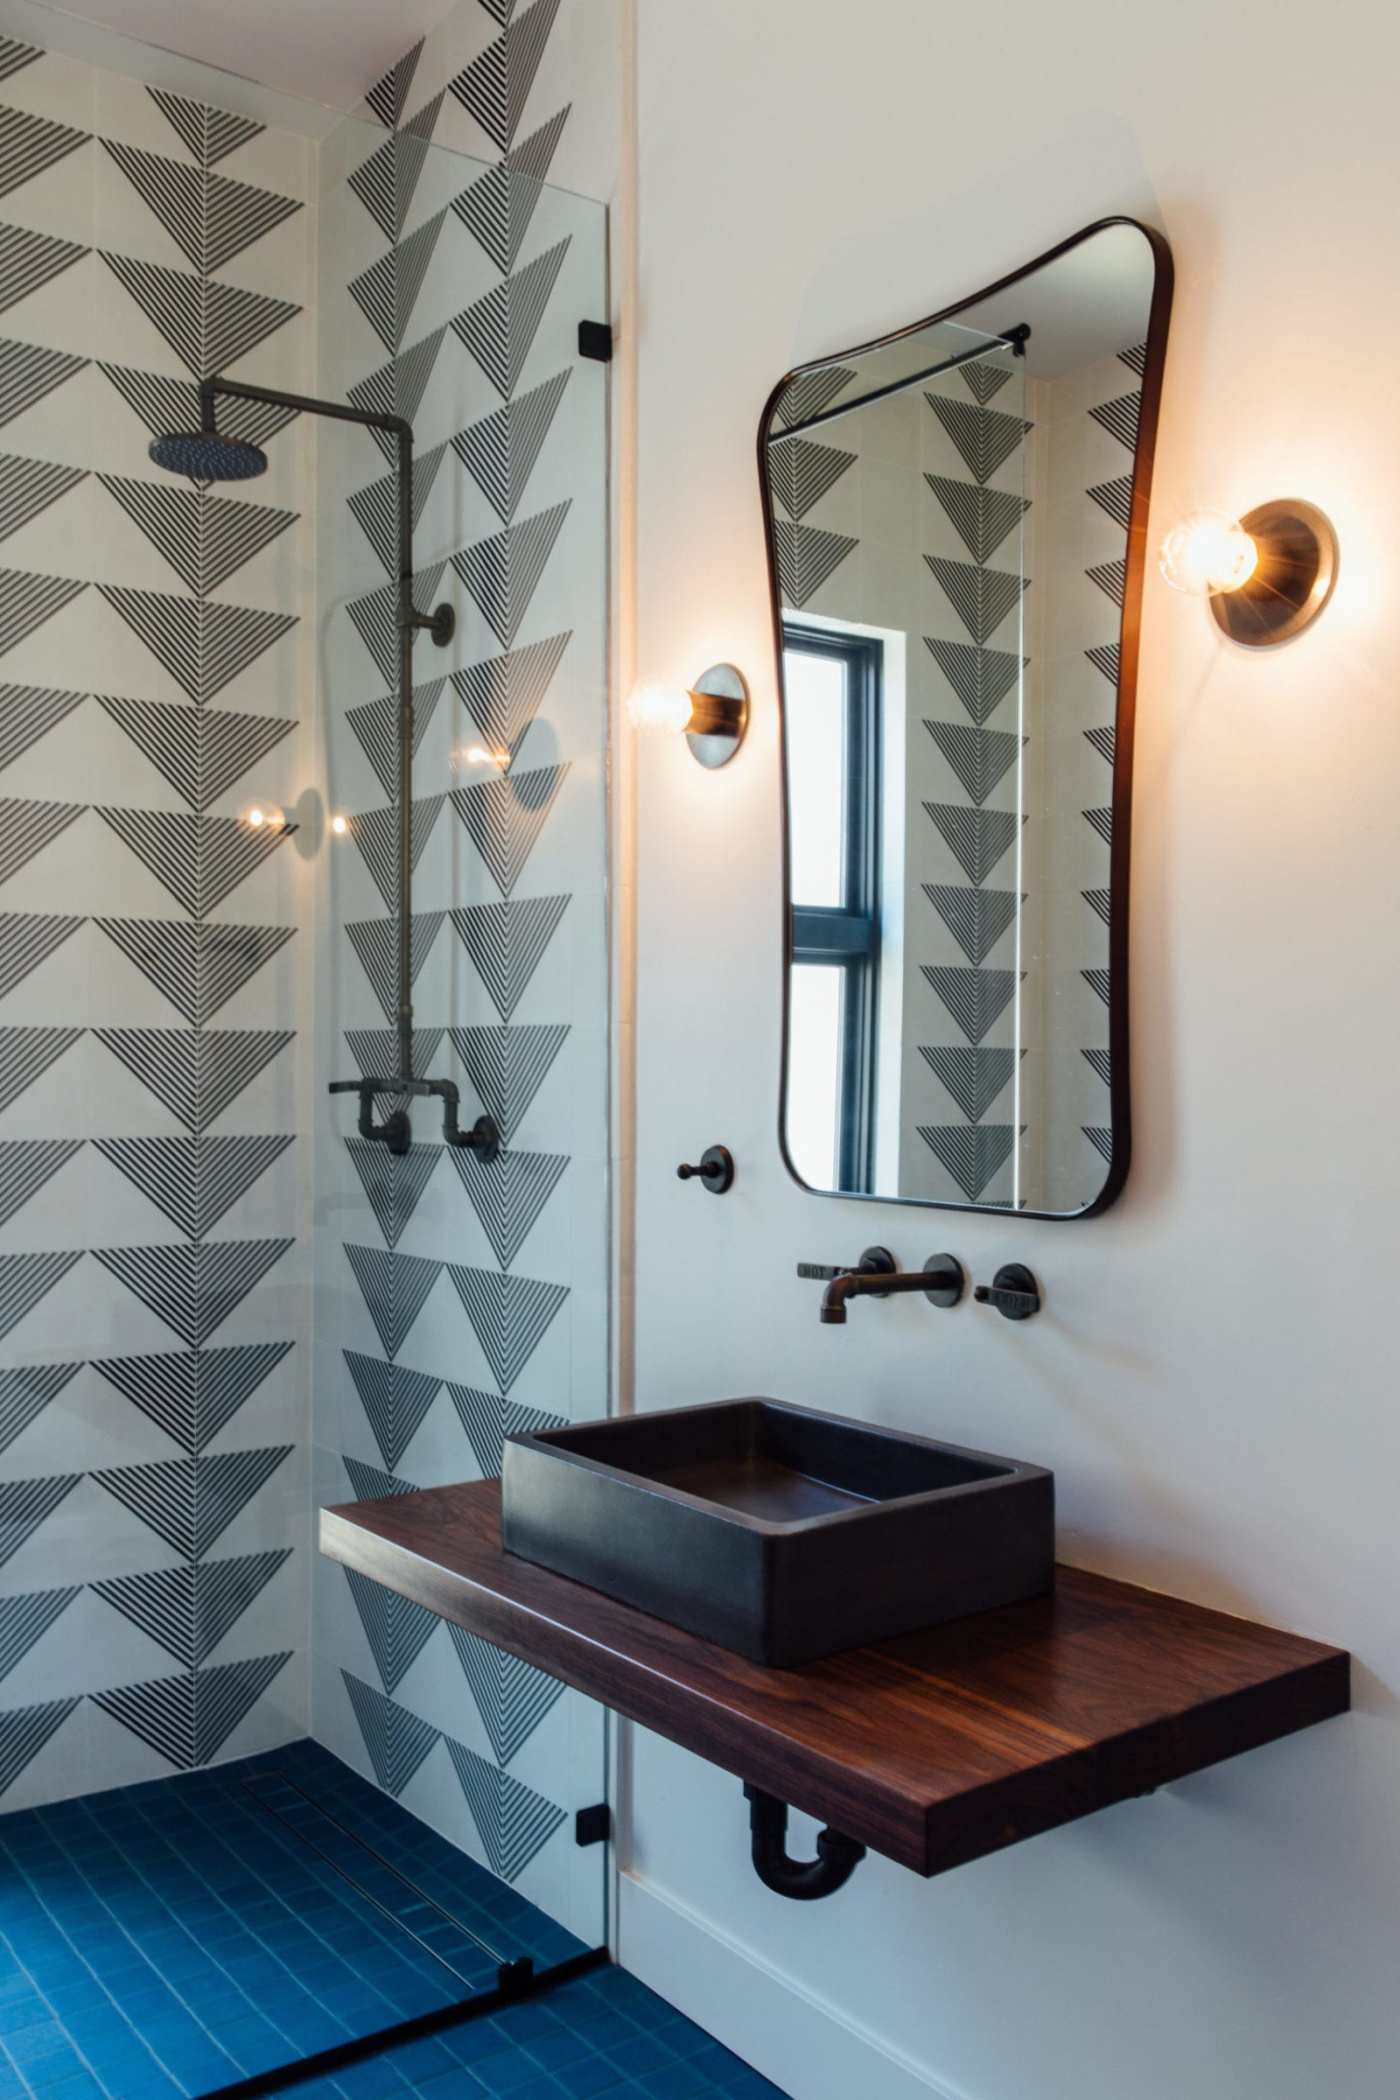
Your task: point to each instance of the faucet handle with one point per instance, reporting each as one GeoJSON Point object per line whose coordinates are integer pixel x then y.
{"type": "Point", "coordinates": [1013, 1291]}
{"type": "Point", "coordinates": [875, 1261]}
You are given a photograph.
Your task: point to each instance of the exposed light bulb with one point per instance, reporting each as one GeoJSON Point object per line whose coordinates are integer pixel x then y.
{"type": "Point", "coordinates": [1208, 553]}
{"type": "Point", "coordinates": [659, 707]}
{"type": "Point", "coordinates": [340, 824]}
{"type": "Point", "coordinates": [260, 816]}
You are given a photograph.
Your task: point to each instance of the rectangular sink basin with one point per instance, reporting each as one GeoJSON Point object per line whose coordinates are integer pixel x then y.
{"type": "Point", "coordinates": [780, 1532]}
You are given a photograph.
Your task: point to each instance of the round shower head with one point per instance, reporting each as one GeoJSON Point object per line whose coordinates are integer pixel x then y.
{"type": "Point", "coordinates": [205, 456]}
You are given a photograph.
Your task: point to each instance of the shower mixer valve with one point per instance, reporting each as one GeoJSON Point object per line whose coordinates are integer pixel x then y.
{"type": "Point", "coordinates": [396, 1131]}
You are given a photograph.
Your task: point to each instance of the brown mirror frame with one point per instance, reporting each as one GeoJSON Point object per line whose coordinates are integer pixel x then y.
{"type": "Point", "coordinates": [1120, 852]}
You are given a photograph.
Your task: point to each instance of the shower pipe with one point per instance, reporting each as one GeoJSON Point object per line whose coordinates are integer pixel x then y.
{"type": "Point", "coordinates": [209, 456]}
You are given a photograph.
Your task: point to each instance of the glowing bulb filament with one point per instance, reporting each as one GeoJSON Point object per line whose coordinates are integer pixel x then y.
{"type": "Point", "coordinates": [1208, 553]}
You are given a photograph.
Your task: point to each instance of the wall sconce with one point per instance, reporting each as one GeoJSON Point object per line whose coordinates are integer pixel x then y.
{"type": "Point", "coordinates": [1267, 575]}
{"type": "Point", "coordinates": [713, 714]}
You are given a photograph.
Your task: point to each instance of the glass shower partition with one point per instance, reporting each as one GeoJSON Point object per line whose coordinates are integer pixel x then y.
{"type": "Point", "coordinates": [458, 1299]}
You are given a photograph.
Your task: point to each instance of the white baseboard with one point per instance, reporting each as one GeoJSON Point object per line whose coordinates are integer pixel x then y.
{"type": "Point", "coordinates": [794, 2039]}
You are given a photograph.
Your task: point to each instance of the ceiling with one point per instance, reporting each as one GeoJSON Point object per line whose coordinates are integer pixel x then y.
{"type": "Point", "coordinates": [328, 51]}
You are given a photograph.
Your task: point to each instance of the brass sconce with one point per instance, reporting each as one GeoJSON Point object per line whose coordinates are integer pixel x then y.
{"type": "Point", "coordinates": [713, 714]}
{"type": "Point", "coordinates": [1267, 575]}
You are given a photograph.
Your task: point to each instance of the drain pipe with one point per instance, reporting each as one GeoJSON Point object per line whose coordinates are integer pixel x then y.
{"type": "Point", "coordinates": [804, 1880]}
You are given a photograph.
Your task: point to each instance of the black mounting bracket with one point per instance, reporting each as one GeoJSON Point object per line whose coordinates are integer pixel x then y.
{"type": "Point", "coordinates": [595, 340]}
{"type": "Point", "coordinates": [804, 1880]}
{"type": "Point", "coordinates": [440, 623]}
{"type": "Point", "coordinates": [593, 1826]}
{"type": "Point", "coordinates": [396, 1131]}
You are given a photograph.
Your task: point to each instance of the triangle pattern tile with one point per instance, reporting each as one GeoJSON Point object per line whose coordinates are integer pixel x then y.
{"type": "Point", "coordinates": [188, 1610]}
{"type": "Point", "coordinates": [201, 751]}
{"type": "Point", "coordinates": [27, 601]}
{"type": "Point", "coordinates": [193, 1394]}
{"type": "Point", "coordinates": [505, 817]}
{"type": "Point", "coordinates": [1104, 741]}
{"type": "Point", "coordinates": [1101, 902]}
{"type": "Point", "coordinates": [810, 393]}
{"type": "Point", "coordinates": [1100, 1062]}
{"type": "Point", "coordinates": [26, 1279]}
{"type": "Point", "coordinates": [980, 758]}
{"type": "Point", "coordinates": [503, 694]}
{"type": "Point", "coordinates": [503, 572]}
{"type": "Point", "coordinates": [497, 208]}
{"type": "Point", "coordinates": [210, 218]}
{"type": "Point", "coordinates": [210, 134]}
{"type": "Point", "coordinates": [801, 473]}
{"type": "Point", "coordinates": [508, 1066]}
{"type": "Point", "coordinates": [977, 837]}
{"type": "Point", "coordinates": [973, 1155]}
{"type": "Point", "coordinates": [396, 1628]}
{"type": "Point", "coordinates": [1111, 578]}
{"type": "Point", "coordinates": [376, 507]}
{"type": "Point", "coordinates": [976, 999]}
{"type": "Point", "coordinates": [389, 95]}
{"type": "Point", "coordinates": [197, 968]}
{"type": "Point", "coordinates": [26, 1054]}
{"type": "Point", "coordinates": [1120, 418]}
{"type": "Point", "coordinates": [207, 323]}
{"type": "Point", "coordinates": [495, 87]}
{"type": "Point", "coordinates": [187, 1719]}
{"type": "Point", "coordinates": [28, 261]}
{"type": "Point", "coordinates": [398, 387]}
{"type": "Point", "coordinates": [1115, 498]}
{"type": "Point", "coordinates": [509, 1316]}
{"type": "Point", "coordinates": [164, 403]}
{"type": "Point", "coordinates": [499, 329]}
{"type": "Point", "coordinates": [200, 859]}
{"type": "Point", "coordinates": [973, 1077]}
{"type": "Point", "coordinates": [393, 1183]}
{"type": "Point", "coordinates": [28, 487]}
{"type": "Point", "coordinates": [26, 1164]}
{"type": "Point", "coordinates": [511, 1697]}
{"type": "Point", "coordinates": [26, 828]}
{"type": "Point", "coordinates": [982, 598]}
{"type": "Point", "coordinates": [375, 616]}
{"type": "Point", "coordinates": [396, 1402]}
{"type": "Point", "coordinates": [387, 181]}
{"type": "Point", "coordinates": [376, 727]}
{"type": "Point", "coordinates": [15, 56]}
{"type": "Point", "coordinates": [1102, 822]}
{"type": "Point", "coordinates": [205, 538]}
{"type": "Point", "coordinates": [204, 647]}
{"type": "Point", "coordinates": [506, 942]}
{"type": "Point", "coordinates": [387, 292]}
{"type": "Point", "coordinates": [1106, 660]}
{"type": "Point", "coordinates": [508, 1194]}
{"type": "Point", "coordinates": [512, 1821]}
{"type": "Point", "coordinates": [976, 918]}
{"type": "Point", "coordinates": [29, 372]}
{"type": "Point", "coordinates": [28, 712]}
{"type": "Point", "coordinates": [981, 517]}
{"type": "Point", "coordinates": [190, 1502]}
{"type": "Point", "coordinates": [983, 381]}
{"type": "Point", "coordinates": [26, 1504]}
{"type": "Point", "coordinates": [29, 144]}
{"type": "Point", "coordinates": [500, 452]}
{"type": "Point", "coordinates": [807, 558]}
{"type": "Point", "coordinates": [984, 438]}
{"type": "Point", "coordinates": [193, 1180]}
{"type": "Point", "coordinates": [24, 1620]}
{"type": "Point", "coordinates": [395, 1289]}
{"type": "Point", "coordinates": [1099, 982]}
{"type": "Point", "coordinates": [1101, 1140]}
{"type": "Point", "coordinates": [981, 678]}
{"type": "Point", "coordinates": [376, 835]}
{"type": "Point", "coordinates": [376, 1050]}
{"type": "Point", "coordinates": [489, 1418]}
{"type": "Point", "coordinates": [27, 939]}
{"type": "Point", "coordinates": [27, 1390]}
{"type": "Point", "coordinates": [193, 1289]}
{"type": "Point", "coordinates": [27, 1729]}
{"type": "Point", "coordinates": [369, 1484]}
{"type": "Point", "coordinates": [395, 1740]}
{"type": "Point", "coordinates": [375, 942]}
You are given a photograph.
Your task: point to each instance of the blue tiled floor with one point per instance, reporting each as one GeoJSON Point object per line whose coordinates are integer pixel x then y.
{"type": "Point", "coordinates": [159, 1941]}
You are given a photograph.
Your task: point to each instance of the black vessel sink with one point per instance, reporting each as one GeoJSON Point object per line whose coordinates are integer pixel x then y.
{"type": "Point", "coordinates": [780, 1532]}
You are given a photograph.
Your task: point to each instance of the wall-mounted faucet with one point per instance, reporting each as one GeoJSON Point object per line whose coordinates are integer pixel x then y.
{"type": "Point", "coordinates": [878, 1275]}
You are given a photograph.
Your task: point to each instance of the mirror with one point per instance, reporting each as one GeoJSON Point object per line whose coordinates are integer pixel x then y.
{"type": "Point", "coordinates": [956, 521]}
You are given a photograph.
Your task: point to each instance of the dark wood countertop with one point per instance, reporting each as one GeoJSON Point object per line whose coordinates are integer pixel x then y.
{"type": "Point", "coordinates": [933, 1749]}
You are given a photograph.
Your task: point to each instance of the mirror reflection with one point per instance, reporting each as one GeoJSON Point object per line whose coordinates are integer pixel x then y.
{"type": "Point", "coordinates": [955, 524]}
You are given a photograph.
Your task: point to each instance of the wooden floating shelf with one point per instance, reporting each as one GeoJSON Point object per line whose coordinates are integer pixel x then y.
{"type": "Point", "coordinates": [933, 1749]}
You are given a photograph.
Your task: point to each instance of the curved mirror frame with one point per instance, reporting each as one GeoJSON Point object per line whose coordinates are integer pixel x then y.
{"type": "Point", "coordinates": [993, 320]}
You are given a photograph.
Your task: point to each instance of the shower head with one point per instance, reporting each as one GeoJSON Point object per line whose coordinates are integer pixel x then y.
{"type": "Point", "coordinates": [205, 456]}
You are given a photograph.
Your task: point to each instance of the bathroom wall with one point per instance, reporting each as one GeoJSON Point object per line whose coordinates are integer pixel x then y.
{"type": "Point", "coordinates": [154, 667]}
{"type": "Point", "coordinates": [463, 240]}
{"type": "Point", "coordinates": [1211, 1379]}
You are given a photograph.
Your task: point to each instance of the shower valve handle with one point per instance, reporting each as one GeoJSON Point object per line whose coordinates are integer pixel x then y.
{"type": "Point", "coordinates": [396, 1131]}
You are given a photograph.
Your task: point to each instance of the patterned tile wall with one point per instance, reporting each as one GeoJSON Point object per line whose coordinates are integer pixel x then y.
{"type": "Point", "coordinates": [153, 1497]}
{"type": "Point", "coordinates": [457, 1301]}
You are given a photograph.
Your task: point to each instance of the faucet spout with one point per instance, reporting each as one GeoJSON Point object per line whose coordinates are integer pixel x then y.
{"type": "Point", "coordinates": [941, 1279]}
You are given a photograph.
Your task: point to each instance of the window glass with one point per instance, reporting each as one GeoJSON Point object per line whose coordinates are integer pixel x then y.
{"type": "Point", "coordinates": [815, 692]}
{"type": "Point", "coordinates": [814, 1073]}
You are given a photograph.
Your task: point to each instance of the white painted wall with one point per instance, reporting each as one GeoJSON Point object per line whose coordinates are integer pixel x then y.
{"type": "Point", "coordinates": [1214, 1377]}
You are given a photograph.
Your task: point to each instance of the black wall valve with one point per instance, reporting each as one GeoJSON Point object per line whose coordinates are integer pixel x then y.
{"type": "Point", "coordinates": [716, 1170]}
{"type": "Point", "coordinates": [1013, 1291]}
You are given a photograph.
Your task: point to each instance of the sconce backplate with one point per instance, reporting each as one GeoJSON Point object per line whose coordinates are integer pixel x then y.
{"type": "Point", "coordinates": [1292, 581]}
{"type": "Point", "coordinates": [721, 725]}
